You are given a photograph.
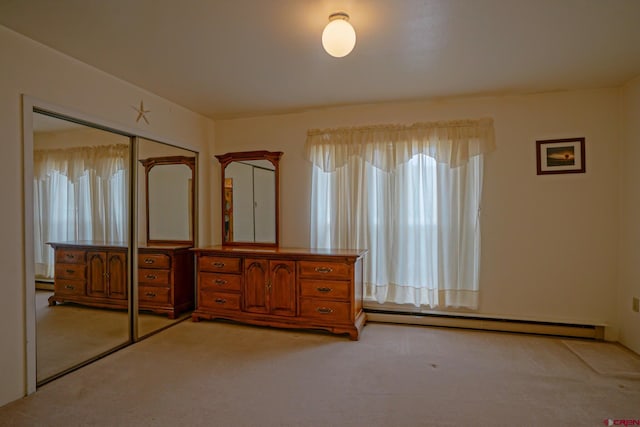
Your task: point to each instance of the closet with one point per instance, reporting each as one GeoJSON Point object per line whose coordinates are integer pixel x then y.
{"type": "Point", "coordinates": [111, 261]}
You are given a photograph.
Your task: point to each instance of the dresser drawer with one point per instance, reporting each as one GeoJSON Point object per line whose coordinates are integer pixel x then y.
{"type": "Point", "coordinates": [219, 300]}
{"type": "Point", "coordinates": [333, 289]}
{"type": "Point", "coordinates": [69, 287]}
{"type": "Point", "coordinates": [70, 271]}
{"type": "Point", "coordinates": [325, 270]}
{"type": "Point", "coordinates": [324, 310]}
{"type": "Point", "coordinates": [154, 260]}
{"type": "Point", "coordinates": [153, 277]}
{"type": "Point", "coordinates": [219, 282]}
{"type": "Point", "coordinates": [69, 256]}
{"type": "Point", "coordinates": [153, 295]}
{"type": "Point", "coordinates": [219, 264]}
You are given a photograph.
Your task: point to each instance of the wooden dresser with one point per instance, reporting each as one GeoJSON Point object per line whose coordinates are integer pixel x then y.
{"type": "Point", "coordinates": [289, 288]}
{"type": "Point", "coordinates": [95, 274]}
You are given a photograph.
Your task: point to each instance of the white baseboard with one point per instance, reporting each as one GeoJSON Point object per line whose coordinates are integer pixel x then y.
{"type": "Point", "coordinates": [491, 324]}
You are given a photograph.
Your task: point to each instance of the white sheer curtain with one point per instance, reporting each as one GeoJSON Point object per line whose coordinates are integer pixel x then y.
{"type": "Point", "coordinates": [79, 194]}
{"type": "Point", "coordinates": [411, 196]}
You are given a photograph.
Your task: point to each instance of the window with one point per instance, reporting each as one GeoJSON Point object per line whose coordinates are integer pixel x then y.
{"type": "Point", "coordinates": [418, 217]}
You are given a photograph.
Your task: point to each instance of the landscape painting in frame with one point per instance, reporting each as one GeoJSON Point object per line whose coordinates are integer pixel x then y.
{"type": "Point", "coordinates": [555, 156]}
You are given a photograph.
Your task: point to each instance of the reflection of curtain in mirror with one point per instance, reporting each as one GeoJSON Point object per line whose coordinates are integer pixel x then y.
{"type": "Point", "coordinates": [79, 194]}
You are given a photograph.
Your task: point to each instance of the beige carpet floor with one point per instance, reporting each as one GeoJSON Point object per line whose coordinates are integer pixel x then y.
{"type": "Point", "coordinates": [69, 334]}
{"type": "Point", "coordinates": [223, 374]}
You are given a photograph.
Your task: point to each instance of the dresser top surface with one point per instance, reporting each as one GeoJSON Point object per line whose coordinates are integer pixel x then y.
{"type": "Point", "coordinates": [163, 246]}
{"type": "Point", "coordinates": [109, 244]}
{"type": "Point", "coordinates": [282, 251]}
{"type": "Point", "coordinates": [92, 243]}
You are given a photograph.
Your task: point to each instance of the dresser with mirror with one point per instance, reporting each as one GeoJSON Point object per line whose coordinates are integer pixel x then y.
{"type": "Point", "coordinates": [249, 278]}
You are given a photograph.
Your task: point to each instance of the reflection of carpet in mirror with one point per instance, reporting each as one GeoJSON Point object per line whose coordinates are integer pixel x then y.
{"type": "Point", "coordinates": [69, 334]}
{"type": "Point", "coordinates": [607, 358]}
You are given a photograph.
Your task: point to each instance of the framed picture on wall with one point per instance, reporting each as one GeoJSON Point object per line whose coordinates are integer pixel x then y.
{"type": "Point", "coordinates": [555, 156]}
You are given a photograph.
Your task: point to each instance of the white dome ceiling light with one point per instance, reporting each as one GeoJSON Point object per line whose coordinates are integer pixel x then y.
{"type": "Point", "coordinates": [338, 37]}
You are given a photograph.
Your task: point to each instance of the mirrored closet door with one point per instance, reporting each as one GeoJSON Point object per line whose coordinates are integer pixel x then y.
{"type": "Point", "coordinates": [81, 230]}
{"type": "Point", "coordinates": [112, 244]}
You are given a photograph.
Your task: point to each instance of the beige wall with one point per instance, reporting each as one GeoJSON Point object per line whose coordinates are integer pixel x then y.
{"type": "Point", "coordinates": [30, 68]}
{"type": "Point", "coordinates": [549, 243]}
{"type": "Point", "coordinates": [629, 281]}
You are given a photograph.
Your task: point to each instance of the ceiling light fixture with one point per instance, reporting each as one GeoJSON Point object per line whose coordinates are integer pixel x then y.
{"type": "Point", "coordinates": [338, 37]}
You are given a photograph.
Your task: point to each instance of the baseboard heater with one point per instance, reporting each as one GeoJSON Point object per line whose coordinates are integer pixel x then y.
{"type": "Point", "coordinates": [44, 284]}
{"type": "Point", "coordinates": [595, 332]}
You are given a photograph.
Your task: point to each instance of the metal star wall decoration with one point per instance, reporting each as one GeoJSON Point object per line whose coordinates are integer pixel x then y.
{"type": "Point", "coordinates": [142, 113]}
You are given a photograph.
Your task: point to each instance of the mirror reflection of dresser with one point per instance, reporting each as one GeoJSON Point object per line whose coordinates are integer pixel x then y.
{"type": "Point", "coordinates": [165, 262]}
{"type": "Point", "coordinates": [94, 273]}
{"type": "Point", "coordinates": [251, 279]}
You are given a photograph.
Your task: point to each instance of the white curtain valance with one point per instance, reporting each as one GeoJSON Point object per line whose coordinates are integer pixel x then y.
{"type": "Point", "coordinates": [387, 146]}
{"type": "Point", "coordinates": [105, 160]}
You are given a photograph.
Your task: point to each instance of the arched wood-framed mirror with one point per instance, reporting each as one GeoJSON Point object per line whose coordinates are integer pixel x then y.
{"type": "Point", "coordinates": [250, 198]}
{"type": "Point", "coordinates": [169, 189]}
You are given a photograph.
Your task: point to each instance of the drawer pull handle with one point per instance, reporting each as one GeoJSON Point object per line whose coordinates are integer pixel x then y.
{"type": "Point", "coordinates": [148, 261]}
{"type": "Point", "coordinates": [218, 264]}
{"type": "Point", "coordinates": [70, 271]}
{"type": "Point", "coordinates": [324, 290]}
{"type": "Point", "coordinates": [69, 287]}
{"type": "Point", "coordinates": [69, 256]}
{"type": "Point", "coordinates": [220, 282]}
{"type": "Point", "coordinates": [150, 294]}
{"type": "Point", "coordinates": [324, 310]}
{"type": "Point", "coordinates": [151, 276]}
{"type": "Point", "coordinates": [324, 270]}
{"type": "Point", "coordinates": [220, 301]}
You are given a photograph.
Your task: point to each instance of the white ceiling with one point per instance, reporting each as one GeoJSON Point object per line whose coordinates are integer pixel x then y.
{"type": "Point", "coordinates": [231, 58]}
